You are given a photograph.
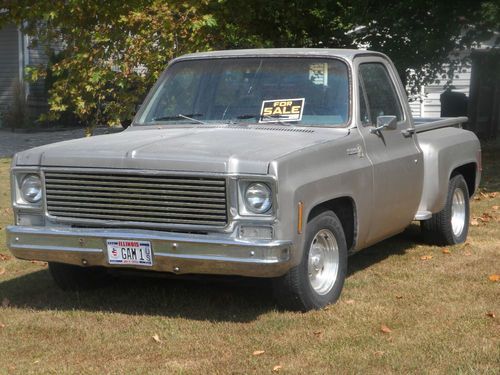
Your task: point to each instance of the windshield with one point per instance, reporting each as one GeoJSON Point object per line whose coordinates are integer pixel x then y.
{"type": "Point", "coordinates": [302, 91]}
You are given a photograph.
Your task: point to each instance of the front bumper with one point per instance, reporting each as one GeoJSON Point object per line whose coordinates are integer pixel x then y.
{"type": "Point", "coordinates": [173, 252]}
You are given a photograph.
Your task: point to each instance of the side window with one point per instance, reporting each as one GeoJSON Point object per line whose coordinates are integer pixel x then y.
{"type": "Point", "coordinates": [380, 92]}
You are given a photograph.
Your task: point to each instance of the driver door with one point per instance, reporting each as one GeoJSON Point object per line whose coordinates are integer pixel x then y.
{"type": "Point", "coordinates": [395, 157]}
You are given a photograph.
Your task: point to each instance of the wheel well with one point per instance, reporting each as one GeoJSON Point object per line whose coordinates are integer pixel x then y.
{"type": "Point", "coordinates": [468, 171]}
{"type": "Point", "coordinates": [345, 209]}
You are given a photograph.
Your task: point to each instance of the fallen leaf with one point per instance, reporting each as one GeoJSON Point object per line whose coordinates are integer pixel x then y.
{"type": "Point", "coordinates": [349, 301]}
{"type": "Point", "coordinates": [484, 195]}
{"type": "Point", "coordinates": [491, 314]}
{"type": "Point", "coordinates": [477, 198]}
{"type": "Point", "coordinates": [474, 222]}
{"type": "Point", "coordinates": [379, 353]}
{"type": "Point", "coordinates": [426, 257]}
{"type": "Point", "coordinates": [385, 329]}
{"type": "Point", "coordinates": [4, 257]}
{"type": "Point", "coordinates": [317, 333]}
{"type": "Point", "coordinates": [156, 338]}
{"type": "Point", "coordinates": [5, 302]}
{"type": "Point", "coordinates": [399, 296]}
{"type": "Point", "coordinates": [277, 368]}
{"type": "Point", "coordinates": [494, 278]}
{"type": "Point", "coordinates": [2, 270]}
{"type": "Point", "coordinates": [495, 207]}
{"type": "Point", "coordinates": [485, 217]}
{"type": "Point", "coordinates": [258, 352]}
{"type": "Point", "coordinates": [2, 325]}
{"type": "Point", "coordinates": [446, 251]}
{"type": "Point", "coordinates": [7, 211]}
{"type": "Point", "coordinates": [494, 194]}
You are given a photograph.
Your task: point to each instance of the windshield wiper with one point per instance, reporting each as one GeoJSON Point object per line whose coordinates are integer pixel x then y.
{"type": "Point", "coordinates": [246, 117]}
{"type": "Point", "coordinates": [278, 117]}
{"type": "Point", "coordinates": [181, 116]}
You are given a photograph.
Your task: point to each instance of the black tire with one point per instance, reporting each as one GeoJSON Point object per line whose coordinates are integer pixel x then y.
{"type": "Point", "coordinates": [439, 229]}
{"type": "Point", "coordinates": [71, 278]}
{"type": "Point", "coordinates": [294, 290]}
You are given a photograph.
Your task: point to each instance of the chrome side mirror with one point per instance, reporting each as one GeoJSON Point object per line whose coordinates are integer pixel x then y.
{"type": "Point", "coordinates": [385, 122]}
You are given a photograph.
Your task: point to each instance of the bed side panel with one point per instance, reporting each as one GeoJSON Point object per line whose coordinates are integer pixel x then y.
{"type": "Point", "coordinates": [444, 150]}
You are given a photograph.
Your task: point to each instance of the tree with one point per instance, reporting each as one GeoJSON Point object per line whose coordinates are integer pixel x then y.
{"type": "Point", "coordinates": [113, 51]}
{"type": "Point", "coordinates": [424, 38]}
{"type": "Point", "coordinates": [110, 52]}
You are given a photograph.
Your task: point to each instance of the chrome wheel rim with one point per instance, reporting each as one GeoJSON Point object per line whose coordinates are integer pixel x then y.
{"type": "Point", "coordinates": [458, 212]}
{"type": "Point", "coordinates": [323, 262]}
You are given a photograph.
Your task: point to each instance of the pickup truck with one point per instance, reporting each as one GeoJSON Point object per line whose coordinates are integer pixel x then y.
{"type": "Point", "coordinates": [274, 163]}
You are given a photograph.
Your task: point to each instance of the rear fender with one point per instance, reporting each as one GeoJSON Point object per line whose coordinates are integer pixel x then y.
{"type": "Point", "coordinates": [445, 152]}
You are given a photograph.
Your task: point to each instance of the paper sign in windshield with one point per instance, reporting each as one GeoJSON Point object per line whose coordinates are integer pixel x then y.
{"type": "Point", "coordinates": [282, 110]}
{"type": "Point", "coordinates": [318, 74]}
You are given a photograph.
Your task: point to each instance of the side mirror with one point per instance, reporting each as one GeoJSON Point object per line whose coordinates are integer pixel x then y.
{"type": "Point", "coordinates": [385, 122]}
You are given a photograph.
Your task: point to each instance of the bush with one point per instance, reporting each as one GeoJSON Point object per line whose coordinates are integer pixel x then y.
{"type": "Point", "coordinates": [17, 115]}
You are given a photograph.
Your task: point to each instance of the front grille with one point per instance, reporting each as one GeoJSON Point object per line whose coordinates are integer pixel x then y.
{"type": "Point", "coordinates": [136, 198]}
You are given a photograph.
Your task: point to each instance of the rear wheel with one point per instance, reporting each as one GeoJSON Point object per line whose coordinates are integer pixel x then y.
{"type": "Point", "coordinates": [318, 280]}
{"type": "Point", "coordinates": [450, 226]}
{"type": "Point", "coordinates": [70, 277]}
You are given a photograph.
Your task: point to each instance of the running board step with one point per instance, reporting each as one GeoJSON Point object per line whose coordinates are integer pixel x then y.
{"type": "Point", "coordinates": [423, 215]}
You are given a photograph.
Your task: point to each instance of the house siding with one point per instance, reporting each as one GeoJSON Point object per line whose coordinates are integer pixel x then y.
{"type": "Point", "coordinates": [431, 105]}
{"type": "Point", "coordinates": [9, 65]}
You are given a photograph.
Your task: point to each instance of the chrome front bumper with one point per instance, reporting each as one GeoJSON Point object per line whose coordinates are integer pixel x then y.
{"type": "Point", "coordinates": [177, 253]}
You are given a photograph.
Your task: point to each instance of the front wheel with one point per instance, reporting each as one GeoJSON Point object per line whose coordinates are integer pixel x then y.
{"type": "Point", "coordinates": [318, 280]}
{"type": "Point", "coordinates": [451, 225]}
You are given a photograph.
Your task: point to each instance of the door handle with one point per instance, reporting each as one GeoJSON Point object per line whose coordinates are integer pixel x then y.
{"type": "Point", "coordinates": [408, 132]}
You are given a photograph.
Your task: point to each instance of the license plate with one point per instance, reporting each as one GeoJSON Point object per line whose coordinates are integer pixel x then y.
{"type": "Point", "coordinates": [130, 252]}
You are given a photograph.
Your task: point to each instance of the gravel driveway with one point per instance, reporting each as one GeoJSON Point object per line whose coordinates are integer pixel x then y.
{"type": "Point", "coordinates": [10, 143]}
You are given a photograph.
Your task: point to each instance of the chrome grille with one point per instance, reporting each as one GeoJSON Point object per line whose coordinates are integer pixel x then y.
{"type": "Point", "coordinates": [136, 198]}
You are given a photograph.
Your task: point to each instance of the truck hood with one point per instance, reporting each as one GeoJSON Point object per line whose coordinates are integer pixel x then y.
{"type": "Point", "coordinates": [204, 148]}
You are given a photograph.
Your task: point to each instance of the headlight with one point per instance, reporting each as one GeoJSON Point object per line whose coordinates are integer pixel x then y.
{"type": "Point", "coordinates": [258, 198]}
{"type": "Point", "coordinates": [31, 188]}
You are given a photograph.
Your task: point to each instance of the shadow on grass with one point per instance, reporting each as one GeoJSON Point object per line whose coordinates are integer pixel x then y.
{"type": "Point", "coordinates": [203, 298]}
{"type": "Point", "coordinates": [224, 299]}
{"type": "Point", "coordinates": [490, 180]}
{"type": "Point", "coordinates": [397, 245]}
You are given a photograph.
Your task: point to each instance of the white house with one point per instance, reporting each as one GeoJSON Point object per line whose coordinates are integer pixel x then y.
{"type": "Point", "coordinates": [430, 104]}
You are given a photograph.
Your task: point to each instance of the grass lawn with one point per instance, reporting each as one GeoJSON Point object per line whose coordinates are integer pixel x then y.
{"type": "Point", "coordinates": [406, 308]}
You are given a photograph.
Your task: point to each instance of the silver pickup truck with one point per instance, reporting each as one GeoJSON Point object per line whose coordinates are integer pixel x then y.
{"type": "Point", "coordinates": [274, 163]}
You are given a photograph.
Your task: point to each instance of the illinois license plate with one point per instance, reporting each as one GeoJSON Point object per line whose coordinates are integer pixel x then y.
{"type": "Point", "coordinates": [130, 252]}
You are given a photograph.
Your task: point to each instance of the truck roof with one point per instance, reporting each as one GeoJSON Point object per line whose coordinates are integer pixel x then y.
{"type": "Point", "coordinates": [347, 54]}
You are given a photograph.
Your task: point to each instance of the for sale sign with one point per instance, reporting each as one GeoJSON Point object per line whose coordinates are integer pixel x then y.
{"type": "Point", "coordinates": [282, 110]}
